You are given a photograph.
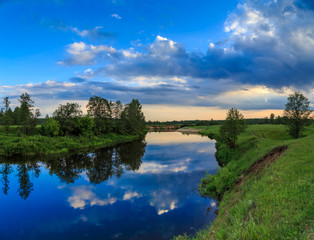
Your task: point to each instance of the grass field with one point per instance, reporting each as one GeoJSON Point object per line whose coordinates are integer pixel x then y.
{"type": "Point", "coordinates": [276, 203]}
{"type": "Point", "coordinates": [36, 144]}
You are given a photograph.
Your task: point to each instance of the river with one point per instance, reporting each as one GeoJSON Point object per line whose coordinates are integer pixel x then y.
{"type": "Point", "coordinates": [139, 190]}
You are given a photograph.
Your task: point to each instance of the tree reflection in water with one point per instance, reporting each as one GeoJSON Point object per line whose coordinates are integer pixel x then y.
{"type": "Point", "coordinates": [6, 170]}
{"type": "Point", "coordinates": [25, 185]}
{"type": "Point", "coordinates": [99, 166]}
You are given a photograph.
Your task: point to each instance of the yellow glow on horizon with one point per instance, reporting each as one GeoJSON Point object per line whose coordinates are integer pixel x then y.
{"type": "Point", "coordinates": [169, 113]}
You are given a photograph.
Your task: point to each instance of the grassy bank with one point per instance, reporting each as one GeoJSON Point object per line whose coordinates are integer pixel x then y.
{"type": "Point", "coordinates": [36, 144]}
{"type": "Point", "coordinates": [275, 203]}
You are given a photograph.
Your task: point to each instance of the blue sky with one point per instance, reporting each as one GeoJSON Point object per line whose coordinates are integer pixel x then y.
{"type": "Point", "coordinates": [181, 59]}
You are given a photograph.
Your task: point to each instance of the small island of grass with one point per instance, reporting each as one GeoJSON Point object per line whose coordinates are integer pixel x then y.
{"type": "Point", "coordinates": [106, 123]}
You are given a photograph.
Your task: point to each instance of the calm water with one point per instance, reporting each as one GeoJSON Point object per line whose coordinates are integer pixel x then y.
{"type": "Point", "coordinates": [140, 190]}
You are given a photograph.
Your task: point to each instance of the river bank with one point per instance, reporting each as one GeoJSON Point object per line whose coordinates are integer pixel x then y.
{"type": "Point", "coordinates": [41, 145]}
{"type": "Point", "coordinates": [265, 186]}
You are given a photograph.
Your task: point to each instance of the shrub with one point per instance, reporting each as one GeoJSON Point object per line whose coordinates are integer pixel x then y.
{"type": "Point", "coordinates": [50, 127]}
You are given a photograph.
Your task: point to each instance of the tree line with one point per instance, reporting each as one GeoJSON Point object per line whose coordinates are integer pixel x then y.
{"type": "Point", "coordinates": [103, 117]}
{"type": "Point", "coordinates": [272, 119]}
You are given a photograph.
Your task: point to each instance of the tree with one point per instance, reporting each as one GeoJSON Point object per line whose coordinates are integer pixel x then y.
{"type": "Point", "coordinates": [101, 110]}
{"type": "Point", "coordinates": [232, 127]}
{"type": "Point", "coordinates": [272, 118]}
{"type": "Point", "coordinates": [132, 118]}
{"type": "Point", "coordinates": [116, 112]}
{"type": "Point", "coordinates": [16, 116]}
{"type": "Point", "coordinates": [28, 115]}
{"type": "Point", "coordinates": [297, 111]}
{"type": "Point", "coordinates": [66, 115]}
{"type": "Point", "coordinates": [7, 115]}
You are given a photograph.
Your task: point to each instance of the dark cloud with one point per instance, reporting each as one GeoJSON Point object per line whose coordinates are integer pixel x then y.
{"type": "Point", "coordinates": [77, 79]}
{"type": "Point", "coordinates": [270, 43]}
{"type": "Point", "coordinates": [266, 46]}
{"type": "Point", "coordinates": [210, 96]}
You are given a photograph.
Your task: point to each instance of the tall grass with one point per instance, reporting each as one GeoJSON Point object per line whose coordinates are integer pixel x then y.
{"type": "Point", "coordinates": [277, 203]}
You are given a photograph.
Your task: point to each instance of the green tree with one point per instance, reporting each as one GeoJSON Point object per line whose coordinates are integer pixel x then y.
{"type": "Point", "coordinates": [272, 118]}
{"type": "Point", "coordinates": [132, 118]}
{"type": "Point", "coordinates": [101, 110]}
{"type": "Point", "coordinates": [16, 116]}
{"type": "Point", "coordinates": [50, 127]}
{"type": "Point", "coordinates": [232, 127]}
{"type": "Point", "coordinates": [297, 111]}
{"type": "Point", "coordinates": [7, 115]}
{"type": "Point", "coordinates": [66, 115]}
{"type": "Point", "coordinates": [27, 113]}
{"type": "Point", "coordinates": [116, 113]}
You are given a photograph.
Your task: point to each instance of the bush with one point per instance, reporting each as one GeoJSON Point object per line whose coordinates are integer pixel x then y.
{"type": "Point", "coordinates": [216, 185]}
{"type": "Point", "coordinates": [84, 126]}
{"type": "Point", "coordinates": [50, 127]}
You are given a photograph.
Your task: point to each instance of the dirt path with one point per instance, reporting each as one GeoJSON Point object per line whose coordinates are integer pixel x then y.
{"type": "Point", "coordinates": [255, 169]}
{"type": "Point", "coordinates": [261, 164]}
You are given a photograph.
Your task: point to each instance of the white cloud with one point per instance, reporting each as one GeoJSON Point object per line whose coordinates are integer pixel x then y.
{"type": "Point", "coordinates": [86, 54]}
{"type": "Point", "coordinates": [116, 16]}
{"type": "Point", "coordinates": [130, 53]}
{"type": "Point", "coordinates": [130, 195]}
{"type": "Point", "coordinates": [83, 196]}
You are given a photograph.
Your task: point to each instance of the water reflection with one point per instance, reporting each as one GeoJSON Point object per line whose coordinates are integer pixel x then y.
{"type": "Point", "coordinates": [139, 190]}
{"type": "Point", "coordinates": [25, 186]}
{"type": "Point", "coordinates": [6, 170]}
{"type": "Point", "coordinates": [98, 166]}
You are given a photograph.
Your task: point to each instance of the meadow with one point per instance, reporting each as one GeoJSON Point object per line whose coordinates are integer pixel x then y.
{"type": "Point", "coordinates": [265, 200]}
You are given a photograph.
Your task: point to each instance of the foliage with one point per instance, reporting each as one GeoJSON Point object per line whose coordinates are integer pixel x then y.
{"type": "Point", "coordinates": [7, 115]}
{"type": "Point", "coordinates": [101, 110]}
{"type": "Point", "coordinates": [13, 145]}
{"type": "Point", "coordinates": [66, 115]}
{"type": "Point", "coordinates": [50, 127]}
{"type": "Point", "coordinates": [28, 115]}
{"type": "Point", "coordinates": [297, 111]}
{"type": "Point", "coordinates": [272, 118]}
{"type": "Point", "coordinates": [84, 126]}
{"type": "Point", "coordinates": [106, 117]}
{"type": "Point", "coordinates": [232, 127]}
{"type": "Point", "coordinates": [132, 117]}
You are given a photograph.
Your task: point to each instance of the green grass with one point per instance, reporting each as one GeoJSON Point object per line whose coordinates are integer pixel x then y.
{"type": "Point", "coordinates": [36, 144]}
{"type": "Point", "coordinates": [277, 203]}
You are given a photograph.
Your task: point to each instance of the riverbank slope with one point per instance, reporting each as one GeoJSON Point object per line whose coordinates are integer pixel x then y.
{"type": "Point", "coordinates": [266, 189]}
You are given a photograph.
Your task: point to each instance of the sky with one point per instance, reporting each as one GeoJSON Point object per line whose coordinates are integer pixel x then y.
{"type": "Point", "coordinates": [191, 59]}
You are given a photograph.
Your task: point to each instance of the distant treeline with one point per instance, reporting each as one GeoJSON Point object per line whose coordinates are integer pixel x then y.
{"type": "Point", "coordinates": [102, 117]}
{"type": "Point", "coordinates": [272, 119]}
